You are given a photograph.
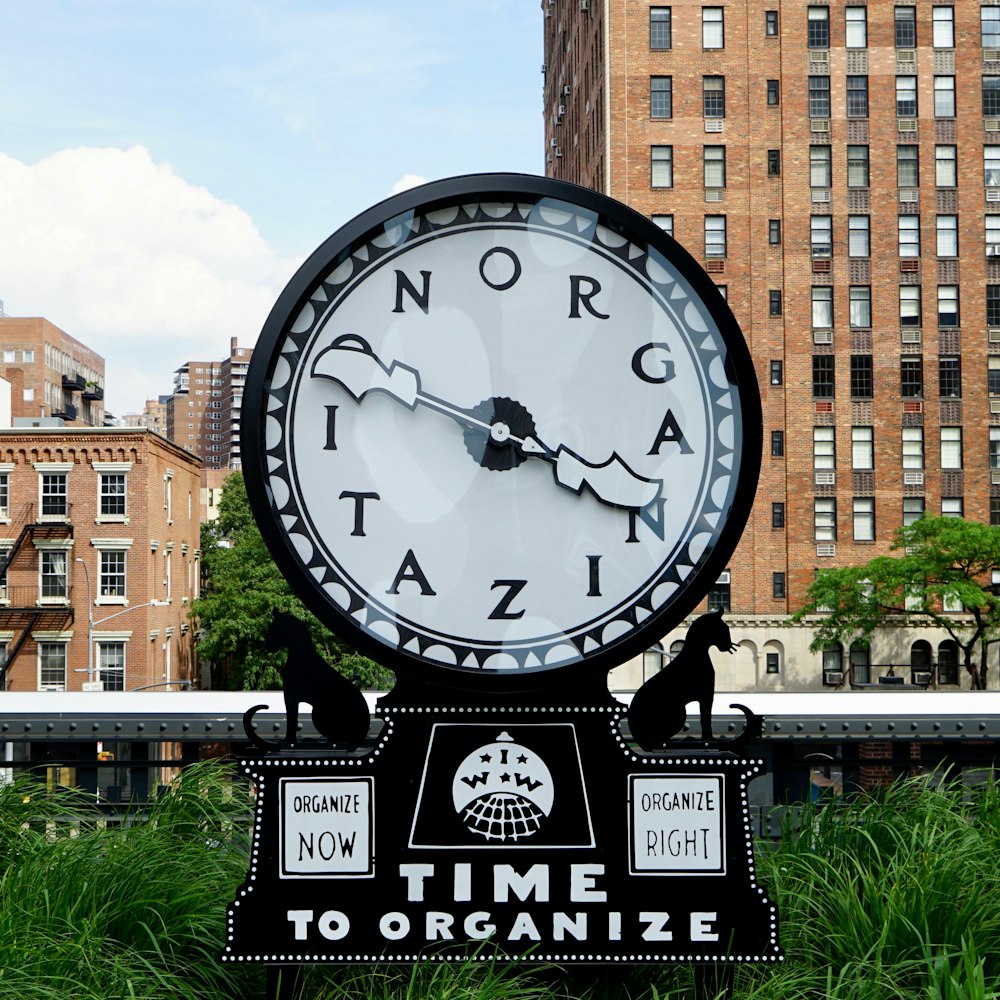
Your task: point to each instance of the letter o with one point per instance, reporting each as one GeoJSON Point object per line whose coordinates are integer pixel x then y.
{"type": "Point", "coordinates": [334, 925]}
{"type": "Point", "coordinates": [394, 925]}
{"type": "Point", "coordinates": [515, 268]}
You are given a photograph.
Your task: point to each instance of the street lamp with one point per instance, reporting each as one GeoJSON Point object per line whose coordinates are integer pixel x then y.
{"type": "Point", "coordinates": [91, 623]}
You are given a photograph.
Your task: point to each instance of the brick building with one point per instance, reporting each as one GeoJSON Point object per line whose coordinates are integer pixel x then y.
{"type": "Point", "coordinates": [51, 373]}
{"type": "Point", "coordinates": [100, 523]}
{"type": "Point", "coordinates": [835, 167]}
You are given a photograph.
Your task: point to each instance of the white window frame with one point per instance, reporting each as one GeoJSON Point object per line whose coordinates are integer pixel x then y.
{"type": "Point", "coordinates": [951, 448]}
{"type": "Point", "coordinates": [104, 469]}
{"type": "Point", "coordinates": [863, 447]}
{"type": "Point", "coordinates": [47, 642]}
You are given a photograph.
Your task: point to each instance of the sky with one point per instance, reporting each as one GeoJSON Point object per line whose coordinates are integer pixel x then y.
{"type": "Point", "coordinates": [165, 165]}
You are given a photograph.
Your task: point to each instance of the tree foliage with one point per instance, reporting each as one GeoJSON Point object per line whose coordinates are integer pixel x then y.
{"type": "Point", "coordinates": [939, 560]}
{"type": "Point", "coordinates": [242, 589]}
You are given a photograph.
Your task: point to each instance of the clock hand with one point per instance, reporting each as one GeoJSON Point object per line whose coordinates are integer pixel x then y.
{"type": "Point", "coordinates": [350, 362]}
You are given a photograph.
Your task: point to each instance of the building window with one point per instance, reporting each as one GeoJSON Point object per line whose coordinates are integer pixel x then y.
{"type": "Point", "coordinates": [714, 166]}
{"type": "Point", "coordinates": [995, 447]}
{"type": "Point", "coordinates": [907, 166]}
{"type": "Point", "coordinates": [906, 27]}
{"type": "Point", "coordinates": [112, 494]}
{"type": "Point", "coordinates": [906, 97]}
{"type": "Point", "coordinates": [774, 301]}
{"type": "Point", "coordinates": [909, 305]}
{"type": "Point", "coordinates": [824, 448]}
{"type": "Point", "coordinates": [772, 663]}
{"type": "Point", "coordinates": [991, 165]}
{"type": "Point", "coordinates": [777, 444]}
{"type": "Point", "coordinates": [833, 660]}
{"type": "Point", "coordinates": [773, 93]}
{"type": "Point", "coordinates": [950, 376]}
{"type": "Point", "coordinates": [947, 235]}
{"type": "Point", "coordinates": [862, 382]}
{"type": "Point", "coordinates": [819, 167]}
{"type": "Point", "coordinates": [951, 447]}
{"type": "Point", "coordinates": [913, 448]}
{"type": "Point", "coordinates": [819, 97]}
{"type": "Point", "coordinates": [52, 666]}
{"type": "Point", "coordinates": [4, 497]}
{"type": "Point", "coordinates": [661, 166]}
{"type": "Point", "coordinates": [856, 27]}
{"type": "Point", "coordinates": [111, 665]}
{"type": "Point", "coordinates": [822, 307]}
{"type": "Point", "coordinates": [858, 236]}
{"type": "Point", "coordinates": [948, 305]}
{"type": "Point", "coordinates": [862, 448]}
{"type": "Point", "coordinates": [771, 23]}
{"type": "Point", "coordinates": [948, 662]}
{"type": "Point", "coordinates": [54, 502]}
{"type": "Point", "coordinates": [857, 97]}
{"type": "Point", "coordinates": [659, 28]}
{"type": "Point", "coordinates": [774, 231]}
{"type": "Point", "coordinates": [111, 572]}
{"type": "Point", "coordinates": [773, 162]}
{"type": "Point", "coordinates": [913, 510]}
{"type": "Point", "coordinates": [993, 376]}
{"type": "Point", "coordinates": [952, 507]}
{"type": "Point", "coordinates": [713, 96]}
{"type": "Point", "coordinates": [823, 376]}
{"type": "Point", "coordinates": [777, 515]}
{"type": "Point", "coordinates": [991, 96]}
{"type": "Point", "coordinates": [719, 593]}
{"type": "Point", "coordinates": [661, 103]}
{"type": "Point", "coordinates": [857, 166]}
{"type": "Point", "coordinates": [864, 519]}
{"type": "Point", "coordinates": [778, 374]}
{"type": "Point", "coordinates": [712, 28]}
{"type": "Point", "coordinates": [53, 584]}
{"type": "Point", "coordinates": [944, 27]}
{"type": "Point", "coordinates": [818, 33]}
{"type": "Point", "coordinates": [665, 222]}
{"type": "Point", "coordinates": [778, 585]}
{"type": "Point", "coordinates": [944, 96]}
{"type": "Point", "coordinates": [909, 236]}
{"type": "Point", "coordinates": [825, 519]}
{"type": "Point", "coordinates": [715, 236]}
{"type": "Point", "coordinates": [821, 235]}
{"type": "Point", "coordinates": [945, 173]}
{"type": "Point", "coordinates": [861, 307]}
{"type": "Point", "coordinates": [860, 660]}
{"type": "Point", "coordinates": [992, 225]}
{"type": "Point", "coordinates": [989, 24]}
{"type": "Point", "coordinates": [912, 376]}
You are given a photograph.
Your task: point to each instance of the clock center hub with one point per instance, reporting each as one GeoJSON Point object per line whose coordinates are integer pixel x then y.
{"type": "Point", "coordinates": [500, 433]}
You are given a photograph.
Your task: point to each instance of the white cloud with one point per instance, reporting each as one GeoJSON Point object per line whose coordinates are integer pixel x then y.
{"type": "Point", "coordinates": [408, 181]}
{"type": "Point", "coordinates": [125, 255]}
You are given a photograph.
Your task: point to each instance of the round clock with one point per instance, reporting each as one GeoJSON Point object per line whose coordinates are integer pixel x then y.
{"type": "Point", "coordinates": [500, 425]}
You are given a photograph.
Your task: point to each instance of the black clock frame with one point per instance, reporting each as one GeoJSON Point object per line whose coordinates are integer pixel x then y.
{"type": "Point", "coordinates": [591, 669]}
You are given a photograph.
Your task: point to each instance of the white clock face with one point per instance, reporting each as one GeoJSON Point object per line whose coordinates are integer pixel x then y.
{"type": "Point", "coordinates": [500, 436]}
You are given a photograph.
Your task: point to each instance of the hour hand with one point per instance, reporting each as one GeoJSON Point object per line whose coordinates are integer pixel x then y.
{"type": "Point", "coordinates": [351, 363]}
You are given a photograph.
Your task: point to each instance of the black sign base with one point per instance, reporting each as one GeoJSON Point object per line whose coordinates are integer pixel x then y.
{"type": "Point", "coordinates": [531, 833]}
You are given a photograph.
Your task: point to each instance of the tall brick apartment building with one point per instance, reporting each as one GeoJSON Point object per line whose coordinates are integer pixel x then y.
{"type": "Point", "coordinates": [835, 167]}
{"type": "Point", "coordinates": [102, 523]}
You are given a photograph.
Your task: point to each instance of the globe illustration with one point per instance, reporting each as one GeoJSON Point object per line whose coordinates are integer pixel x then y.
{"type": "Point", "coordinates": [502, 791]}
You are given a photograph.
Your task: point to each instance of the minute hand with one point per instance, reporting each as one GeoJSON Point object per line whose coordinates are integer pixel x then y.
{"type": "Point", "coordinates": [351, 363]}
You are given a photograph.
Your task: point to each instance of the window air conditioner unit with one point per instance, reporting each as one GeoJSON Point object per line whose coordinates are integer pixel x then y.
{"type": "Point", "coordinates": [906, 124]}
{"type": "Point", "coordinates": [995, 477]}
{"type": "Point", "coordinates": [913, 479]}
{"type": "Point", "coordinates": [922, 677]}
{"type": "Point", "coordinates": [995, 406]}
{"type": "Point", "coordinates": [819, 57]}
{"type": "Point", "coordinates": [561, 111]}
{"type": "Point", "coordinates": [991, 55]}
{"type": "Point", "coordinates": [714, 194]}
{"type": "Point", "coordinates": [822, 336]}
{"type": "Point", "coordinates": [826, 550]}
{"type": "Point", "coordinates": [825, 478]}
{"type": "Point", "coordinates": [821, 196]}
{"type": "Point", "coordinates": [991, 124]}
{"type": "Point", "coordinates": [910, 337]}
{"type": "Point", "coordinates": [833, 678]}
{"type": "Point", "coordinates": [993, 249]}
{"type": "Point", "coordinates": [584, 5]}
{"type": "Point", "coordinates": [566, 90]}
{"type": "Point", "coordinates": [558, 152]}
{"type": "Point", "coordinates": [906, 59]}
{"type": "Point", "coordinates": [819, 124]}
{"type": "Point", "coordinates": [909, 194]}
{"type": "Point", "coordinates": [553, 142]}
{"type": "Point", "coordinates": [713, 124]}
{"type": "Point", "coordinates": [994, 334]}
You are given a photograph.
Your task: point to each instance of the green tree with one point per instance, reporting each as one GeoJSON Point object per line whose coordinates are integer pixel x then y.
{"type": "Point", "coordinates": [242, 589]}
{"type": "Point", "coordinates": [939, 560]}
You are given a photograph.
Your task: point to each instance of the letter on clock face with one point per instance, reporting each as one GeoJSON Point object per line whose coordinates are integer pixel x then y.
{"type": "Point", "coordinates": [359, 508]}
{"type": "Point", "coordinates": [670, 433]}
{"type": "Point", "coordinates": [403, 284]}
{"type": "Point", "coordinates": [514, 587]}
{"type": "Point", "coordinates": [652, 521]}
{"type": "Point", "coordinates": [576, 296]}
{"type": "Point", "coordinates": [410, 572]}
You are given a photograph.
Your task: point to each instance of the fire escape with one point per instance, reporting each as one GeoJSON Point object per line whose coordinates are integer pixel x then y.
{"type": "Point", "coordinates": [44, 603]}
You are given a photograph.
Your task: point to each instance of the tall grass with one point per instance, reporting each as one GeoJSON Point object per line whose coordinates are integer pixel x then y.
{"type": "Point", "coordinates": [895, 896]}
